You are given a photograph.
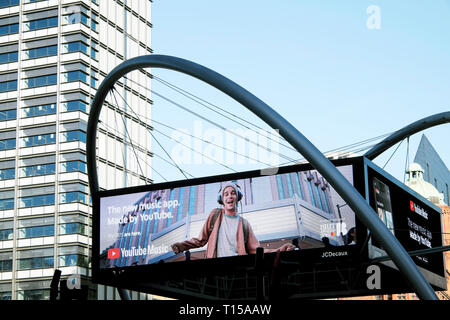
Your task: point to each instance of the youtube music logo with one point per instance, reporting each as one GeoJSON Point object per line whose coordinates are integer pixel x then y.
{"type": "Point", "coordinates": [113, 253]}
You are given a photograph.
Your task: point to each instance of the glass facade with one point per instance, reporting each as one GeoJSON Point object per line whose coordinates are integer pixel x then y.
{"type": "Point", "coordinates": [41, 24]}
{"type": "Point", "coordinates": [40, 81]}
{"type": "Point", "coordinates": [38, 170]}
{"type": "Point", "coordinates": [9, 29]}
{"type": "Point", "coordinates": [41, 52]}
{"type": "Point", "coordinates": [8, 144]}
{"type": "Point", "coordinates": [8, 115]}
{"type": "Point", "coordinates": [34, 232]}
{"type": "Point", "coordinates": [76, 105]}
{"type": "Point", "coordinates": [41, 110]}
{"type": "Point", "coordinates": [44, 104]}
{"type": "Point", "coordinates": [37, 201]}
{"type": "Point", "coordinates": [6, 86]}
{"type": "Point", "coordinates": [39, 140]}
{"type": "Point", "coordinates": [8, 3]}
{"type": "Point", "coordinates": [9, 57]}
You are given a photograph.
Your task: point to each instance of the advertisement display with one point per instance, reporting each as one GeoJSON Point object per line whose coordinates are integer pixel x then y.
{"type": "Point", "coordinates": [223, 217]}
{"type": "Point", "coordinates": [414, 221]}
{"type": "Point", "coordinates": [210, 229]}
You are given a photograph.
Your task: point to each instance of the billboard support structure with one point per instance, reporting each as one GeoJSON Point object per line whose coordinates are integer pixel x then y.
{"type": "Point", "coordinates": [360, 206]}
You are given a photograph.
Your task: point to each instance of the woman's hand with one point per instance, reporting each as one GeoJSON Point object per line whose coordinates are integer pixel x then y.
{"type": "Point", "coordinates": [176, 248]}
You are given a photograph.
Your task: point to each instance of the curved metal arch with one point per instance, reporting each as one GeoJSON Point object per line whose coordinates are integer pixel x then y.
{"type": "Point", "coordinates": [359, 205]}
{"type": "Point", "coordinates": [409, 130]}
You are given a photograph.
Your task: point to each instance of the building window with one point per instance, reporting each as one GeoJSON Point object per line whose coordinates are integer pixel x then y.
{"type": "Point", "coordinates": [289, 184]}
{"type": "Point", "coordinates": [74, 135]}
{"type": "Point", "coordinates": [7, 144]}
{"type": "Point", "coordinates": [6, 86]}
{"type": "Point", "coordinates": [73, 166]}
{"type": "Point", "coordinates": [39, 140]}
{"type": "Point", "coordinates": [298, 185]}
{"type": "Point", "coordinates": [76, 46]}
{"type": "Point", "coordinates": [41, 110]}
{"type": "Point", "coordinates": [75, 105]}
{"type": "Point", "coordinates": [192, 205]}
{"type": "Point", "coordinates": [38, 170]}
{"type": "Point", "coordinates": [5, 266]}
{"type": "Point", "coordinates": [37, 201]}
{"type": "Point", "coordinates": [72, 260]}
{"type": "Point", "coordinates": [9, 57]}
{"type": "Point", "coordinates": [93, 82]}
{"type": "Point", "coordinates": [319, 202]}
{"type": "Point", "coordinates": [9, 29]}
{"type": "Point", "coordinates": [280, 187]}
{"type": "Point", "coordinates": [36, 231]}
{"type": "Point", "coordinates": [75, 76]}
{"type": "Point", "coordinates": [41, 81]}
{"type": "Point", "coordinates": [77, 17]}
{"type": "Point", "coordinates": [6, 295]}
{"type": "Point", "coordinates": [6, 234]}
{"type": "Point", "coordinates": [325, 202]}
{"type": "Point", "coordinates": [73, 196]}
{"type": "Point", "coordinates": [7, 204]}
{"type": "Point", "coordinates": [41, 52]}
{"type": "Point", "coordinates": [311, 193]}
{"type": "Point", "coordinates": [37, 294]}
{"type": "Point", "coordinates": [448, 195]}
{"type": "Point", "coordinates": [72, 228]}
{"type": "Point", "coordinates": [94, 23]}
{"type": "Point", "coordinates": [7, 174]}
{"type": "Point", "coordinates": [32, 1]}
{"type": "Point", "coordinates": [94, 54]}
{"type": "Point", "coordinates": [8, 3]}
{"type": "Point", "coordinates": [35, 263]}
{"type": "Point", "coordinates": [8, 115]}
{"type": "Point", "coordinates": [41, 24]}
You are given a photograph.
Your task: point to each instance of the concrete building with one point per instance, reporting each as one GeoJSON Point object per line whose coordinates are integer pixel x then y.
{"type": "Point", "coordinates": [53, 56]}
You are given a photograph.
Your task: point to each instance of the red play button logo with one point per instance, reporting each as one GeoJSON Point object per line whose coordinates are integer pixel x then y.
{"type": "Point", "coordinates": [411, 205]}
{"type": "Point", "coordinates": [114, 253]}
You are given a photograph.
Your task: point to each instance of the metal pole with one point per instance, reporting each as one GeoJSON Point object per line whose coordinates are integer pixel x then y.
{"type": "Point", "coordinates": [359, 205]}
{"type": "Point", "coordinates": [399, 135]}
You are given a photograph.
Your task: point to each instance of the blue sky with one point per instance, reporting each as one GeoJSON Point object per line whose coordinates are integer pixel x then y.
{"type": "Point", "coordinates": [318, 64]}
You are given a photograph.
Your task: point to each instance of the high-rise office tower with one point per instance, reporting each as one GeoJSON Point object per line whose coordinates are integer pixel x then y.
{"type": "Point", "coordinates": [53, 56]}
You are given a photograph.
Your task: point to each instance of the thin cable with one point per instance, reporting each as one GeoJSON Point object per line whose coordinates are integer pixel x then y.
{"type": "Point", "coordinates": [341, 149]}
{"type": "Point", "coordinates": [407, 159]}
{"type": "Point", "coordinates": [122, 145]}
{"type": "Point", "coordinates": [204, 155]}
{"type": "Point", "coordinates": [129, 137]}
{"type": "Point", "coordinates": [220, 126]}
{"type": "Point", "coordinates": [203, 101]}
{"type": "Point", "coordinates": [398, 146]}
{"type": "Point", "coordinates": [194, 97]}
{"type": "Point", "coordinates": [153, 153]}
{"type": "Point", "coordinates": [110, 129]}
{"type": "Point", "coordinates": [182, 172]}
{"type": "Point", "coordinates": [211, 143]}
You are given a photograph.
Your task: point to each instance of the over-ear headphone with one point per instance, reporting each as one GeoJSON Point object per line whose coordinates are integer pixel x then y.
{"type": "Point", "coordinates": [236, 187]}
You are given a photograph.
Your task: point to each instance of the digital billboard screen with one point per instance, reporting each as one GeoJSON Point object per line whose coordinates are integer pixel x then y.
{"type": "Point", "coordinates": [414, 221]}
{"type": "Point", "coordinates": [221, 217]}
